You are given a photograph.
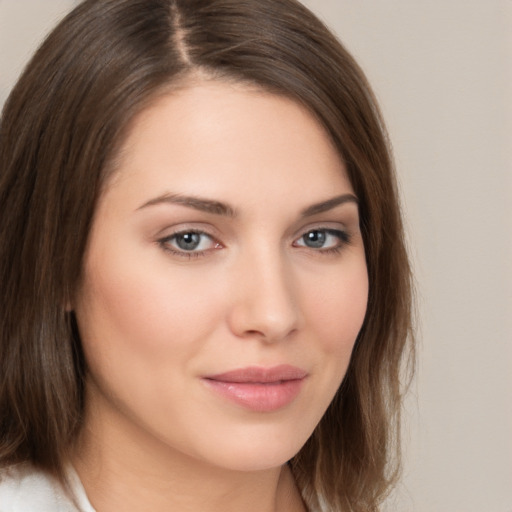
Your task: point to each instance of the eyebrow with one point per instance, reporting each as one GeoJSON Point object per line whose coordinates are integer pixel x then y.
{"type": "Point", "coordinates": [197, 203]}
{"type": "Point", "coordinates": [219, 208]}
{"type": "Point", "coordinates": [325, 206]}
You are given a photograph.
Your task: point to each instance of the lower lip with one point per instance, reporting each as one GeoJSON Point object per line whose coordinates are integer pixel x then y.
{"type": "Point", "coordinates": [258, 397]}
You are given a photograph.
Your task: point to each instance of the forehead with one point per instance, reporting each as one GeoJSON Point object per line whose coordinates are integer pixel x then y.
{"type": "Point", "coordinates": [228, 139]}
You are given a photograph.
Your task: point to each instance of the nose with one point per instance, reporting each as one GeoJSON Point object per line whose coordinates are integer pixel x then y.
{"type": "Point", "coordinates": [264, 300]}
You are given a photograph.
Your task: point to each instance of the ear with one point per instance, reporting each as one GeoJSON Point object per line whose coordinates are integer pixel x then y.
{"type": "Point", "coordinates": [68, 303]}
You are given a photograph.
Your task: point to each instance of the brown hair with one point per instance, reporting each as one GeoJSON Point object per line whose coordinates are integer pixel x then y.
{"type": "Point", "coordinates": [59, 132]}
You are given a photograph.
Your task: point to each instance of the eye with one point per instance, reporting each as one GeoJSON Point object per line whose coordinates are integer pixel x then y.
{"type": "Point", "coordinates": [323, 239]}
{"type": "Point", "coordinates": [189, 243]}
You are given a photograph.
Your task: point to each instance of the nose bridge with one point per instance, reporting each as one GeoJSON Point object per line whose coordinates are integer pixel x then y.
{"type": "Point", "coordinates": [266, 304]}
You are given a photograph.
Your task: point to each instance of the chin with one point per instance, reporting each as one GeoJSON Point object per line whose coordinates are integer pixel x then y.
{"type": "Point", "coordinates": [255, 451]}
{"type": "Point", "coordinates": [252, 461]}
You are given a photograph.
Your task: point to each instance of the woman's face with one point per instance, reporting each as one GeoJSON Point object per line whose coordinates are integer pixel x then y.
{"type": "Point", "coordinates": [225, 279]}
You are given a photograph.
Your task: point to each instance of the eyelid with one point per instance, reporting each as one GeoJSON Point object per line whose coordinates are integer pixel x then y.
{"type": "Point", "coordinates": [326, 225]}
{"type": "Point", "coordinates": [187, 227]}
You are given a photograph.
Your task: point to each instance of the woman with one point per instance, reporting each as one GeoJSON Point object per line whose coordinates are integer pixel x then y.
{"type": "Point", "coordinates": [206, 292]}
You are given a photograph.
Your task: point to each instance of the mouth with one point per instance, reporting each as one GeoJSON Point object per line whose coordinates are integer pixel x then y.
{"type": "Point", "coordinates": [259, 389]}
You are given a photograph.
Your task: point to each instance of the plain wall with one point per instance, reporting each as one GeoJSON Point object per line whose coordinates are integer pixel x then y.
{"type": "Point", "coordinates": [442, 70]}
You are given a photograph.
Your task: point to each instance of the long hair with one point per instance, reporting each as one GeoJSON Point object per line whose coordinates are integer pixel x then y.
{"type": "Point", "coordinates": [59, 135]}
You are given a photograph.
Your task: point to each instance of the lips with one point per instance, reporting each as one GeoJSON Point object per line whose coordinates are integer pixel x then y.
{"type": "Point", "coordinates": [259, 389]}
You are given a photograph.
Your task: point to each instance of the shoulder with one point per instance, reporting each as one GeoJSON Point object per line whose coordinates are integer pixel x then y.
{"type": "Point", "coordinates": [25, 489]}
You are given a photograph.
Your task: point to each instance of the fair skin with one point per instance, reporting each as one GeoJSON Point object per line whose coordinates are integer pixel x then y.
{"type": "Point", "coordinates": [227, 240]}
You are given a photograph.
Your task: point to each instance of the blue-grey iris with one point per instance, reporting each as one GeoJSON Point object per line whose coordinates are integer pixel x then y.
{"type": "Point", "coordinates": [188, 241]}
{"type": "Point", "coordinates": [314, 239]}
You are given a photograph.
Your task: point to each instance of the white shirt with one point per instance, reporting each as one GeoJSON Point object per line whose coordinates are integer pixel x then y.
{"type": "Point", "coordinates": [25, 489]}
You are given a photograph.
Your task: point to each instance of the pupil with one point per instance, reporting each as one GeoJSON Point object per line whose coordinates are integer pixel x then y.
{"type": "Point", "coordinates": [188, 241]}
{"type": "Point", "coordinates": [315, 239]}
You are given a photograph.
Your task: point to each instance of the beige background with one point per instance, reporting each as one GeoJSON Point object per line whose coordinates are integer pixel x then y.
{"type": "Point", "coordinates": [442, 70]}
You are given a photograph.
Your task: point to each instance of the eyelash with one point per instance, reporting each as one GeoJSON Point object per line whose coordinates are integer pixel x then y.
{"type": "Point", "coordinates": [343, 237]}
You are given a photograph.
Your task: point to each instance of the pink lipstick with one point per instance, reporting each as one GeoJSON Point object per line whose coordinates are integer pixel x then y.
{"type": "Point", "coordinates": [257, 388]}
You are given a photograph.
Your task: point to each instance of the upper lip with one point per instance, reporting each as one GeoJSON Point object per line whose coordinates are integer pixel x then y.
{"type": "Point", "coordinates": [259, 374]}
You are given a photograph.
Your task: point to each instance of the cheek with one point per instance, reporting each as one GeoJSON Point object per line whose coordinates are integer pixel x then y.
{"type": "Point", "coordinates": [144, 313]}
{"type": "Point", "coordinates": [336, 311]}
